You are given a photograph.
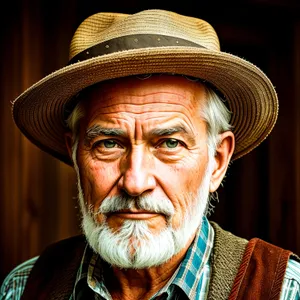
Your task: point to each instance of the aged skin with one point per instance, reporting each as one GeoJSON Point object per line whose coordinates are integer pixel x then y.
{"type": "Point", "coordinates": [150, 140]}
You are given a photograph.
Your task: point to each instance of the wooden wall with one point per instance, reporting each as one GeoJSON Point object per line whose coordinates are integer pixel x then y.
{"type": "Point", "coordinates": [261, 194]}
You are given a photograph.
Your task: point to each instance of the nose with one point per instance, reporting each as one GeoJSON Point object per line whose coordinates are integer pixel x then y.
{"type": "Point", "coordinates": [137, 172]}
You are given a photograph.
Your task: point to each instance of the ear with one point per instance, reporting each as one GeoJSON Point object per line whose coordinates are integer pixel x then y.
{"type": "Point", "coordinates": [69, 143]}
{"type": "Point", "coordinates": [223, 155]}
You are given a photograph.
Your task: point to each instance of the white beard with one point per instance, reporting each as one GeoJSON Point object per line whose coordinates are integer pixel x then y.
{"type": "Point", "coordinates": [134, 246]}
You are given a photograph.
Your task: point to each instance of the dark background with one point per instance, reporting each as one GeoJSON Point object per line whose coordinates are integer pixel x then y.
{"type": "Point", "coordinates": [261, 193]}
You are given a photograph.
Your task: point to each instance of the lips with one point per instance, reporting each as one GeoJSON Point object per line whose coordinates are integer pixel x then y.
{"type": "Point", "coordinates": [134, 214]}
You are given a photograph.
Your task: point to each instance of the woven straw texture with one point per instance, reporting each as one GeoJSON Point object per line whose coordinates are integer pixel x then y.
{"type": "Point", "coordinates": [39, 111]}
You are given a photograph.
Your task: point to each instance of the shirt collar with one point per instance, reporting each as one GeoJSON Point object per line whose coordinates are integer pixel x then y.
{"type": "Point", "coordinates": [188, 276]}
{"type": "Point", "coordinates": [190, 272]}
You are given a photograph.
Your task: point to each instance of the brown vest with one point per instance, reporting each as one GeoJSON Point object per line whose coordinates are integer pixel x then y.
{"type": "Point", "coordinates": [244, 269]}
{"type": "Point", "coordinates": [239, 268]}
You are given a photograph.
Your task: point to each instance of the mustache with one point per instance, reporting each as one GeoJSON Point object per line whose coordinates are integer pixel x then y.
{"type": "Point", "coordinates": [114, 204]}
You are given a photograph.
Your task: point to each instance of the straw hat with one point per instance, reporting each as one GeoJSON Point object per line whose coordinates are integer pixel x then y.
{"type": "Point", "coordinates": [111, 45]}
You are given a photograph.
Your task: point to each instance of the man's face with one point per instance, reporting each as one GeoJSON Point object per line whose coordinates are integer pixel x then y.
{"type": "Point", "coordinates": [143, 139]}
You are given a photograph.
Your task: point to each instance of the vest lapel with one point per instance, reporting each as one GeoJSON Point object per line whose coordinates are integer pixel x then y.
{"type": "Point", "coordinates": [227, 255]}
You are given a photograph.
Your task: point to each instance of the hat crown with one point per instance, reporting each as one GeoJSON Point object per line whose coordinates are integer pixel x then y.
{"type": "Point", "coordinates": [114, 45]}
{"type": "Point", "coordinates": [102, 27]}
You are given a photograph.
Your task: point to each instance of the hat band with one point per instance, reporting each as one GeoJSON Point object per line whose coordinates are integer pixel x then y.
{"type": "Point", "coordinates": [129, 42]}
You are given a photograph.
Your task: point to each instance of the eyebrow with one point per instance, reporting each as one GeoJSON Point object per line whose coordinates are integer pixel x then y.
{"type": "Point", "coordinates": [97, 130]}
{"type": "Point", "coordinates": [167, 131]}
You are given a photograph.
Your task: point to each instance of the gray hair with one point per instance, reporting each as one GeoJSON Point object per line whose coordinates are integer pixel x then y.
{"type": "Point", "coordinates": [216, 116]}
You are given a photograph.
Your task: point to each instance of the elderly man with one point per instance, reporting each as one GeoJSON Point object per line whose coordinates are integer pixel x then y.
{"type": "Point", "coordinates": [150, 112]}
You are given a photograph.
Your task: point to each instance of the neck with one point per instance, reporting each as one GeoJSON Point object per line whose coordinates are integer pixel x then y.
{"type": "Point", "coordinates": [129, 284]}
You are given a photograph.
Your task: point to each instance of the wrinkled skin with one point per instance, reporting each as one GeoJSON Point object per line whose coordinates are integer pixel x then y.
{"type": "Point", "coordinates": [150, 140]}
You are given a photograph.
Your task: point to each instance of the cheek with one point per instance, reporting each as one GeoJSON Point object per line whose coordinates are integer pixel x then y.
{"type": "Point", "coordinates": [184, 177]}
{"type": "Point", "coordinates": [97, 182]}
{"type": "Point", "coordinates": [181, 184]}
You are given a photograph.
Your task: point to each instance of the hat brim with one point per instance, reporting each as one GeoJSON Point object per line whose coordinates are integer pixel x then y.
{"type": "Point", "coordinates": [39, 111]}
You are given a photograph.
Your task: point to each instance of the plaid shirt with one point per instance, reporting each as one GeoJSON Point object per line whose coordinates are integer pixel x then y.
{"type": "Point", "coordinates": [190, 281]}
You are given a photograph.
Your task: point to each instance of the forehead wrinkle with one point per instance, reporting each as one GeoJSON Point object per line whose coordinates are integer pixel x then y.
{"type": "Point", "coordinates": [180, 120]}
{"type": "Point", "coordinates": [129, 108]}
{"type": "Point", "coordinates": [139, 96]}
{"type": "Point", "coordinates": [107, 102]}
